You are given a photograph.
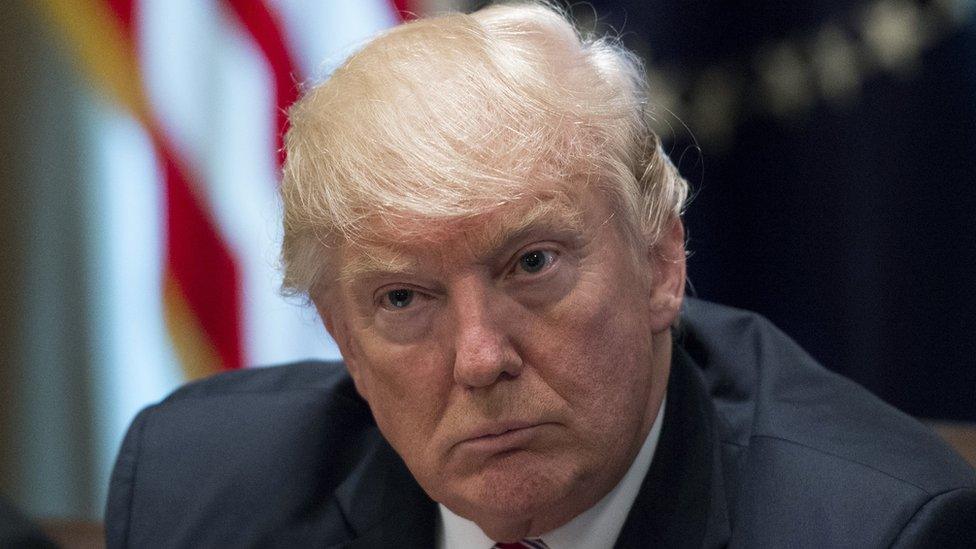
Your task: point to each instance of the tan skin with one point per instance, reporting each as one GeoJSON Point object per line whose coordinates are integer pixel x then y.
{"type": "Point", "coordinates": [517, 375]}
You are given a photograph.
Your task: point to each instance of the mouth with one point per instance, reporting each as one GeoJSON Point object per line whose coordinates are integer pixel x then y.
{"type": "Point", "coordinates": [498, 429]}
{"type": "Point", "coordinates": [501, 437]}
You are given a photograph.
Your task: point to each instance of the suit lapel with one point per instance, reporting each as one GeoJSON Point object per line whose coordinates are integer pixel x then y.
{"type": "Point", "coordinates": [682, 502]}
{"type": "Point", "coordinates": [384, 506]}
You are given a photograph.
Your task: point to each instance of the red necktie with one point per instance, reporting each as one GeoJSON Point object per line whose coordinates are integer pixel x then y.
{"type": "Point", "coordinates": [535, 543]}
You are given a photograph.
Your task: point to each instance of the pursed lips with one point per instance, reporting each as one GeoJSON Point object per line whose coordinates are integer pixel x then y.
{"type": "Point", "coordinates": [495, 429]}
{"type": "Point", "coordinates": [499, 436]}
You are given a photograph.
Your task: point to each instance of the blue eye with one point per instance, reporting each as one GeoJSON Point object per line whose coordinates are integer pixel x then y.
{"type": "Point", "coordinates": [398, 299]}
{"type": "Point", "coordinates": [534, 261]}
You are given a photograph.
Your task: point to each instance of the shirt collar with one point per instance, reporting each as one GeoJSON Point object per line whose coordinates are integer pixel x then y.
{"type": "Point", "coordinates": [597, 527]}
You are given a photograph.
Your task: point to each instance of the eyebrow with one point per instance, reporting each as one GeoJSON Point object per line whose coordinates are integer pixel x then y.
{"type": "Point", "coordinates": [375, 261]}
{"type": "Point", "coordinates": [551, 214]}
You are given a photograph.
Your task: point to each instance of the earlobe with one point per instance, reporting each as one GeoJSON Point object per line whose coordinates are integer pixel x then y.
{"type": "Point", "coordinates": [668, 283]}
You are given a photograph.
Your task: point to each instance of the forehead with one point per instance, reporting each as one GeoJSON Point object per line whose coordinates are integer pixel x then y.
{"type": "Point", "coordinates": [399, 246]}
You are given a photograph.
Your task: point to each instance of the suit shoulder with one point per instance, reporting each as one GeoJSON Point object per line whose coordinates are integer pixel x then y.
{"type": "Point", "coordinates": [794, 495]}
{"type": "Point", "coordinates": [944, 521]}
{"type": "Point", "coordinates": [330, 377]}
{"type": "Point", "coordinates": [811, 458]}
{"type": "Point", "coordinates": [231, 458]}
{"type": "Point", "coordinates": [261, 412]}
{"type": "Point", "coordinates": [772, 394]}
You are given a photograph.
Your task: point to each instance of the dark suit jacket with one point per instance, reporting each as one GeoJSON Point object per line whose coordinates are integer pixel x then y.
{"type": "Point", "coordinates": [760, 447]}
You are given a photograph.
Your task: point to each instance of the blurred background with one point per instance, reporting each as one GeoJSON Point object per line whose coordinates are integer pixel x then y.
{"type": "Point", "coordinates": [831, 146]}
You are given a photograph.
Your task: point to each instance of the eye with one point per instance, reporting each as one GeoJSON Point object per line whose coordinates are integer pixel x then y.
{"type": "Point", "coordinates": [398, 299]}
{"type": "Point", "coordinates": [535, 261]}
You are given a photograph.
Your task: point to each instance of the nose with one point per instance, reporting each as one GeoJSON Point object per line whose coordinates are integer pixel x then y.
{"type": "Point", "coordinates": [483, 351]}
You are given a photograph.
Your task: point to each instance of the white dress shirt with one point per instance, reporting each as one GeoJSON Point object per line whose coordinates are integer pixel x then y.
{"type": "Point", "coordinates": [595, 528]}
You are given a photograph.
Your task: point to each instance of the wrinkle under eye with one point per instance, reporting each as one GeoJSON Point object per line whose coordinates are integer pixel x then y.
{"type": "Point", "coordinates": [398, 299]}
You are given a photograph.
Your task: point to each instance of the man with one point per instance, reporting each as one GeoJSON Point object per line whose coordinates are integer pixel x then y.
{"type": "Point", "coordinates": [490, 231]}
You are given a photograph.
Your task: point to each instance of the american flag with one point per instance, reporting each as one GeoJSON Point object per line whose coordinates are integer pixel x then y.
{"type": "Point", "coordinates": [190, 100]}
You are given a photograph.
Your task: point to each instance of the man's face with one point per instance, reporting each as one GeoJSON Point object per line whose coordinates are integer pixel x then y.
{"type": "Point", "coordinates": [515, 361]}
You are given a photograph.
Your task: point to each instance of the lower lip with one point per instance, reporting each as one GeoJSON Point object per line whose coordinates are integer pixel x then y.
{"type": "Point", "coordinates": [515, 439]}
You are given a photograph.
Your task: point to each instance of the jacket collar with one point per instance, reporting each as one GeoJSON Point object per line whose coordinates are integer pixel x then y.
{"type": "Point", "coordinates": [682, 499]}
{"type": "Point", "coordinates": [383, 505]}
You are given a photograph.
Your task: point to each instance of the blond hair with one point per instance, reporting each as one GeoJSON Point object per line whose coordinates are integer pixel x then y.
{"type": "Point", "coordinates": [450, 117]}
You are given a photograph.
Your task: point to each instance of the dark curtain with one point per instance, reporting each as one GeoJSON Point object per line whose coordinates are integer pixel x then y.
{"type": "Point", "coordinates": [836, 176]}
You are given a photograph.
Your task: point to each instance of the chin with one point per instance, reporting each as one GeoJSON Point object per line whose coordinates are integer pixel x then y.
{"type": "Point", "coordinates": [512, 489]}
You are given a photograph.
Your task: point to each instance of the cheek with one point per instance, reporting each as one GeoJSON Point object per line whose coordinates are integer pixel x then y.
{"type": "Point", "coordinates": [602, 317]}
{"type": "Point", "coordinates": [603, 365]}
{"type": "Point", "coordinates": [406, 388]}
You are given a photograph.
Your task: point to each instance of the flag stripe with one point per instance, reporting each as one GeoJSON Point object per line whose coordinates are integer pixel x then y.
{"type": "Point", "coordinates": [201, 276]}
{"type": "Point", "coordinates": [101, 46]}
{"type": "Point", "coordinates": [404, 9]}
{"type": "Point", "coordinates": [198, 262]}
{"type": "Point", "coordinates": [124, 11]}
{"type": "Point", "coordinates": [194, 351]}
{"type": "Point", "coordinates": [267, 34]}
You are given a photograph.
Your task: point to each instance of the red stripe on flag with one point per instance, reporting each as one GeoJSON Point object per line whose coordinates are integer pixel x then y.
{"type": "Point", "coordinates": [404, 9]}
{"type": "Point", "coordinates": [200, 263]}
{"type": "Point", "coordinates": [124, 10]}
{"type": "Point", "coordinates": [267, 34]}
{"type": "Point", "coordinates": [198, 260]}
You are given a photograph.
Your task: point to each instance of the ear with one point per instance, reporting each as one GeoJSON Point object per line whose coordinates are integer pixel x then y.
{"type": "Point", "coordinates": [668, 283]}
{"type": "Point", "coordinates": [338, 329]}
